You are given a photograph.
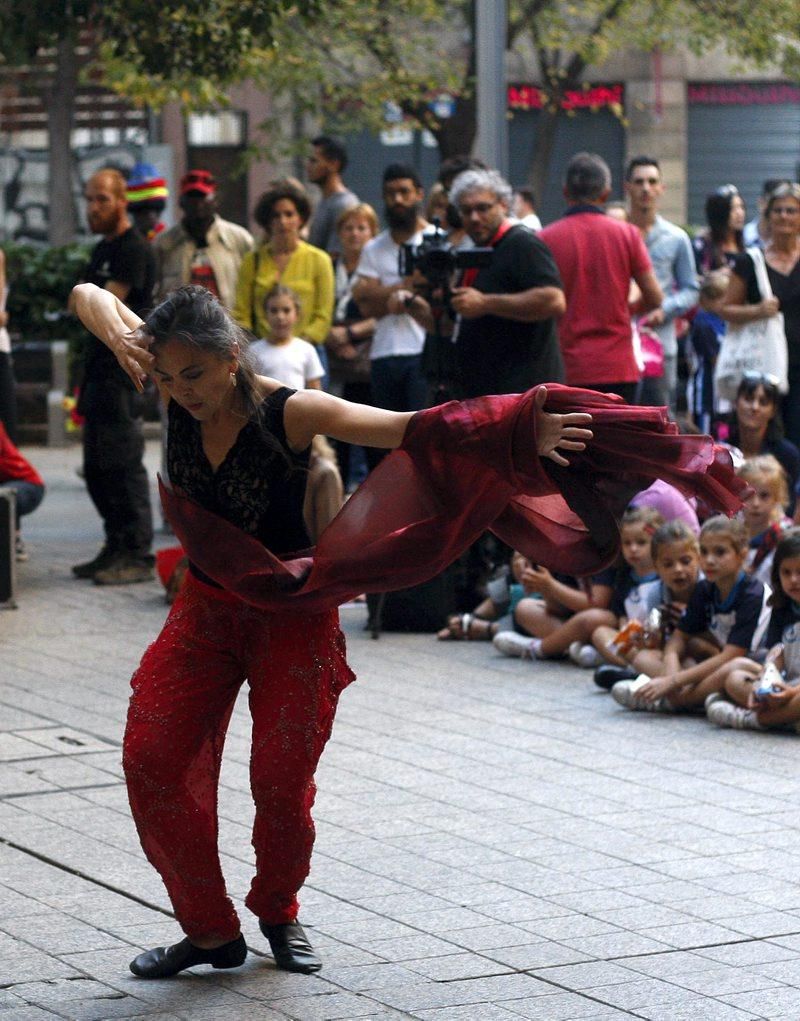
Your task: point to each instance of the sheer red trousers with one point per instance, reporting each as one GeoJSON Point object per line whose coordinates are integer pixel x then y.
{"type": "Point", "coordinates": [183, 695]}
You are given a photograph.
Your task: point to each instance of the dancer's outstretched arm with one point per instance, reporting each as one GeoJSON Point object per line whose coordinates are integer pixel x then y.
{"type": "Point", "coordinates": [114, 324]}
{"type": "Point", "coordinates": [309, 412]}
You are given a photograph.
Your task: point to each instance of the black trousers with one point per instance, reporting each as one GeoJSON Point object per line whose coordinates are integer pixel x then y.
{"type": "Point", "coordinates": [8, 399]}
{"type": "Point", "coordinates": [113, 451]}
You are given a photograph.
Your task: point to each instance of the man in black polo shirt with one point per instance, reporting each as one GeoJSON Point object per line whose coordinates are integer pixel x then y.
{"type": "Point", "coordinates": [113, 442]}
{"type": "Point", "coordinates": [504, 332]}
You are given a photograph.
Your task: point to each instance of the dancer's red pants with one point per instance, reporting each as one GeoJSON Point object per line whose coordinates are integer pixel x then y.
{"type": "Point", "coordinates": [183, 694]}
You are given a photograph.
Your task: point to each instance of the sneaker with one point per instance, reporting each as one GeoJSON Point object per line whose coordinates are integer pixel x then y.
{"type": "Point", "coordinates": [91, 567]}
{"type": "Point", "coordinates": [574, 651]}
{"type": "Point", "coordinates": [608, 674]}
{"type": "Point", "coordinates": [726, 714]}
{"type": "Point", "coordinates": [125, 570]}
{"type": "Point", "coordinates": [20, 553]}
{"type": "Point", "coordinates": [715, 696]}
{"type": "Point", "coordinates": [624, 692]}
{"type": "Point", "coordinates": [511, 643]}
{"type": "Point", "coordinates": [589, 657]}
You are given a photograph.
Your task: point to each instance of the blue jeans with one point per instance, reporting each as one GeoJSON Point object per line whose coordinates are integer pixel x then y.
{"type": "Point", "coordinates": [398, 383]}
{"type": "Point", "coordinates": [29, 495]}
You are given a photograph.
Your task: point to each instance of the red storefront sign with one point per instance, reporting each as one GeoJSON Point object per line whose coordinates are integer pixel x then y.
{"type": "Point", "coordinates": [530, 97]}
{"type": "Point", "coordinates": [744, 94]}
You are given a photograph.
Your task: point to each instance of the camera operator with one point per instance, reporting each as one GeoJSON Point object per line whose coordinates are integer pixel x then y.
{"type": "Point", "coordinates": [505, 311]}
{"type": "Point", "coordinates": [396, 367]}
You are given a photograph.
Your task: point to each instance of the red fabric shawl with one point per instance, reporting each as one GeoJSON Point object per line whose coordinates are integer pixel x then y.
{"type": "Point", "coordinates": [463, 468]}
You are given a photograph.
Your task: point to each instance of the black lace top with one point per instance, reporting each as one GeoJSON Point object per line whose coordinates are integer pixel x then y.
{"type": "Point", "coordinates": [255, 487]}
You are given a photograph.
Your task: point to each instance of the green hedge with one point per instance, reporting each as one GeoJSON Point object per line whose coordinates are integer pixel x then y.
{"type": "Point", "coordinates": [39, 281]}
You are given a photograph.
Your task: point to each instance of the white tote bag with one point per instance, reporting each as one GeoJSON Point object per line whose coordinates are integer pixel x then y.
{"type": "Point", "coordinates": [758, 347]}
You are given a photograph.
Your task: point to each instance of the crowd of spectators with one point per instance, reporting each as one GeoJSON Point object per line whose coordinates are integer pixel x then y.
{"type": "Point", "coordinates": [611, 296]}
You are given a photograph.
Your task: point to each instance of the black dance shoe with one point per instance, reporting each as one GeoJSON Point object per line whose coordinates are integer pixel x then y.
{"type": "Point", "coordinates": [607, 675]}
{"type": "Point", "coordinates": [163, 962]}
{"type": "Point", "coordinates": [290, 947]}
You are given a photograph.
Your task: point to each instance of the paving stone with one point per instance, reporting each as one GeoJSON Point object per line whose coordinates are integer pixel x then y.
{"type": "Point", "coordinates": [701, 1009]}
{"type": "Point", "coordinates": [490, 937]}
{"type": "Point", "coordinates": [487, 847]}
{"type": "Point", "coordinates": [488, 1012]}
{"type": "Point", "coordinates": [534, 956]}
{"type": "Point", "coordinates": [558, 1007]}
{"type": "Point", "coordinates": [692, 934]}
{"type": "Point", "coordinates": [769, 1003]}
{"type": "Point", "coordinates": [586, 976]}
{"type": "Point", "coordinates": [457, 966]}
{"type": "Point", "coordinates": [610, 946]}
{"type": "Point", "coordinates": [331, 1007]}
{"type": "Point", "coordinates": [454, 994]}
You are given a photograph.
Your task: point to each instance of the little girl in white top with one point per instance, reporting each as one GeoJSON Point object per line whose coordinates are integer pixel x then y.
{"type": "Point", "coordinates": [283, 356]}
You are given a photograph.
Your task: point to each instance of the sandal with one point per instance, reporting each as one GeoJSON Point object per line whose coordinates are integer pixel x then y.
{"type": "Point", "coordinates": [460, 627]}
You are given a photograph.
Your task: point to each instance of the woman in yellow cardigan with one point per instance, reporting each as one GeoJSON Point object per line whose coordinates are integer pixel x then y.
{"type": "Point", "coordinates": [284, 258]}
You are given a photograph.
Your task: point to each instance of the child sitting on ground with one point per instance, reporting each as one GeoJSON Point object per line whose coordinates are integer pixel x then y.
{"type": "Point", "coordinates": [764, 512]}
{"type": "Point", "coordinates": [283, 356]}
{"type": "Point", "coordinates": [676, 559]}
{"type": "Point", "coordinates": [553, 637]}
{"type": "Point", "coordinates": [496, 612]}
{"type": "Point", "coordinates": [727, 606]}
{"type": "Point", "coordinates": [759, 697]}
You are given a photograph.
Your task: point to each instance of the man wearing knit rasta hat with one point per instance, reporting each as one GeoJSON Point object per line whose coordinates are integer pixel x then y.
{"type": "Point", "coordinates": [147, 196]}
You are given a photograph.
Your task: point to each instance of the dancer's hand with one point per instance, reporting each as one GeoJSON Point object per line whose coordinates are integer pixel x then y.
{"type": "Point", "coordinates": [559, 432]}
{"type": "Point", "coordinates": [133, 354]}
{"type": "Point", "coordinates": [104, 315]}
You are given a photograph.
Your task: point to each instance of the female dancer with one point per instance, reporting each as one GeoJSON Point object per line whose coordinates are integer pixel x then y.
{"type": "Point", "coordinates": [237, 445]}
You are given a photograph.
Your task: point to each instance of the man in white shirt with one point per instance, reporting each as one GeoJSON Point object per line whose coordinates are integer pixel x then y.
{"type": "Point", "coordinates": [398, 383]}
{"type": "Point", "coordinates": [673, 264]}
{"type": "Point", "coordinates": [524, 208]}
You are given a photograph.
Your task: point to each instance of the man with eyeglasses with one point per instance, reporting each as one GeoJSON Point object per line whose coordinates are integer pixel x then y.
{"type": "Point", "coordinates": [671, 254]}
{"type": "Point", "coordinates": [598, 257]}
{"type": "Point", "coordinates": [504, 332]}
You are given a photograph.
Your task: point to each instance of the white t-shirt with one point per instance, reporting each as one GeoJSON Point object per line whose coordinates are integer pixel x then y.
{"type": "Point", "coordinates": [294, 364]}
{"type": "Point", "coordinates": [531, 221]}
{"type": "Point", "coordinates": [394, 335]}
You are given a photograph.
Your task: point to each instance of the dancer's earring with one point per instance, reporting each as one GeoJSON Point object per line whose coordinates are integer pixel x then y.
{"type": "Point", "coordinates": [234, 379]}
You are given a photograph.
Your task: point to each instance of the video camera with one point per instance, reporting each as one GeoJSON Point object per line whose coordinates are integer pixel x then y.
{"type": "Point", "coordinates": [437, 260]}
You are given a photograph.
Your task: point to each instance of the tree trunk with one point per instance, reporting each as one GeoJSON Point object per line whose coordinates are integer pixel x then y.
{"type": "Point", "coordinates": [456, 134]}
{"type": "Point", "coordinates": [539, 171]}
{"type": "Point", "coordinates": [63, 219]}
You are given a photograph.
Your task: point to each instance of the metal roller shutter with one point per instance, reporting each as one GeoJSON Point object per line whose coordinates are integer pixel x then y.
{"type": "Point", "coordinates": [740, 134]}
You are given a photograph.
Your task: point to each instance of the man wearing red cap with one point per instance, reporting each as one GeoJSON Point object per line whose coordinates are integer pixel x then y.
{"type": "Point", "coordinates": [203, 248]}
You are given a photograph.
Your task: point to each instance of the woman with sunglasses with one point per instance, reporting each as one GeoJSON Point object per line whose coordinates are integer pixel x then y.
{"type": "Point", "coordinates": [725, 215]}
{"type": "Point", "coordinates": [743, 303]}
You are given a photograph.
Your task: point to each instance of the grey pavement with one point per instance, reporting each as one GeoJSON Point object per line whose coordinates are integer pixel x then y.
{"type": "Point", "coordinates": [496, 839]}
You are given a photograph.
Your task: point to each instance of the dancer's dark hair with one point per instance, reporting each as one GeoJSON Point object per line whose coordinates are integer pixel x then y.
{"type": "Point", "coordinates": [194, 316]}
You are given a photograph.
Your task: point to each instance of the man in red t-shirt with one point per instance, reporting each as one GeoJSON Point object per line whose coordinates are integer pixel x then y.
{"type": "Point", "coordinates": [597, 258]}
{"type": "Point", "coordinates": [18, 474]}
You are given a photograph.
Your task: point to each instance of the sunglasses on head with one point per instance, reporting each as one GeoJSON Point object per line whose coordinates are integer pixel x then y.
{"type": "Point", "coordinates": [752, 379]}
